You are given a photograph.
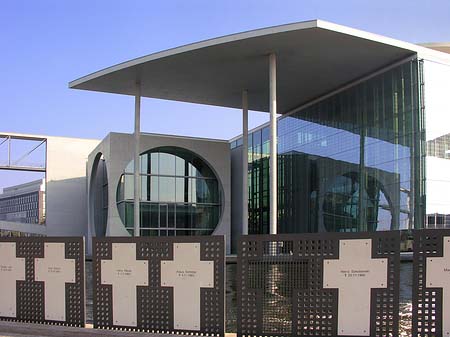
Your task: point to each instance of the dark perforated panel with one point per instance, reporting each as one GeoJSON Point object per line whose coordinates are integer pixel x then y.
{"type": "Point", "coordinates": [280, 285]}
{"type": "Point", "coordinates": [427, 302]}
{"type": "Point", "coordinates": [30, 303]}
{"type": "Point", "coordinates": [155, 303]}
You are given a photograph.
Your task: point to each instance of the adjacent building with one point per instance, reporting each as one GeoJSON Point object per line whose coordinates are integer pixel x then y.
{"type": "Point", "coordinates": [55, 205]}
{"type": "Point", "coordinates": [23, 203]}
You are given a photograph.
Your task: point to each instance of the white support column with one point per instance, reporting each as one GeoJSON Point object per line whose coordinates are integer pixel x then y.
{"type": "Point", "coordinates": [137, 180]}
{"type": "Point", "coordinates": [273, 142]}
{"type": "Point", "coordinates": [244, 162]}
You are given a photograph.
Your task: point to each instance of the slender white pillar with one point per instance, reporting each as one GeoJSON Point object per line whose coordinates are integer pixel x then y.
{"type": "Point", "coordinates": [137, 180]}
{"type": "Point", "coordinates": [273, 142]}
{"type": "Point", "coordinates": [244, 162]}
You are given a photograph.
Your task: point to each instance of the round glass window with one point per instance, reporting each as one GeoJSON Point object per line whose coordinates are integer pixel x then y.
{"type": "Point", "coordinates": [180, 194]}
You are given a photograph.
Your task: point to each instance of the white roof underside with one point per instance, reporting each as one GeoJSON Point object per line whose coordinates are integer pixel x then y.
{"type": "Point", "coordinates": [313, 58]}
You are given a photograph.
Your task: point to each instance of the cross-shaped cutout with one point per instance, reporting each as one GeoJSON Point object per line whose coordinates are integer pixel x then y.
{"type": "Point", "coordinates": [187, 274]}
{"type": "Point", "coordinates": [438, 276]}
{"type": "Point", "coordinates": [124, 273]}
{"type": "Point", "coordinates": [55, 271]}
{"type": "Point", "coordinates": [355, 274]}
{"type": "Point", "coordinates": [12, 269]}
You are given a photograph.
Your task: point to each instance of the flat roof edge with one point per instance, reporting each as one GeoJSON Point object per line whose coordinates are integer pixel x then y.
{"type": "Point", "coordinates": [172, 136]}
{"type": "Point", "coordinates": [194, 46]}
{"type": "Point", "coordinates": [39, 137]}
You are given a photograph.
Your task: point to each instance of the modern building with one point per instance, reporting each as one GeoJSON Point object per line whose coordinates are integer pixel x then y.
{"type": "Point", "coordinates": [358, 138]}
{"type": "Point", "coordinates": [24, 203]}
{"type": "Point", "coordinates": [55, 205]}
{"type": "Point", "coordinates": [185, 186]}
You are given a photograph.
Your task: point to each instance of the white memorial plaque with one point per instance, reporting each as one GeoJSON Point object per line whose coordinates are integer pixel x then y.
{"type": "Point", "coordinates": [12, 269]}
{"type": "Point", "coordinates": [124, 273]}
{"type": "Point", "coordinates": [438, 276]}
{"type": "Point", "coordinates": [355, 273]}
{"type": "Point", "coordinates": [187, 274]}
{"type": "Point", "coordinates": [55, 271]}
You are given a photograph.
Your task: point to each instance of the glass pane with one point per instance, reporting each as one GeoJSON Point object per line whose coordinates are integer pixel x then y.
{"type": "Point", "coordinates": [121, 209]}
{"type": "Point", "coordinates": [166, 164]}
{"type": "Point", "coordinates": [181, 189]}
{"type": "Point", "coordinates": [183, 216]}
{"type": "Point", "coordinates": [192, 193]}
{"type": "Point", "coordinates": [201, 191]}
{"type": "Point", "coordinates": [154, 215]}
{"type": "Point", "coordinates": [121, 189]}
{"type": "Point", "coordinates": [213, 191]}
{"type": "Point", "coordinates": [163, 216]}
{"type": "Point", "coordinates": [192, 170]}
{"type": "Point", "coordinates": [129, 187]}
{"type": "Point", "coordinates": [171, 216]}
{"type": "Point", "coordinates": [149, 232]}
{"type": "Point", "coordinates": [145, 210]}
{"type": "Point", "coordinates": [265, 135]}
{"type": "Point", "coordinates": [154, 188]}
{"type": "Point", "coordinates": [145, 158]}
{"type": "Point", "coordinates": [167, 189]}
{"type": "Point", "coordinates": [154, 163]}
{"type": "Point", "coordinates": [206, 216]}
{"type": "Point", "coordinates": [129, 214]}
{"type": "Point", "coordinates": [180, 165]}
{"type": "Point", "coordinates": [145, 188]}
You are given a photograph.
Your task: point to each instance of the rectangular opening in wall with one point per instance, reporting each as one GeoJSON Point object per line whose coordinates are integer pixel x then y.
{"type": "Point", "coordinates": [22, 185]}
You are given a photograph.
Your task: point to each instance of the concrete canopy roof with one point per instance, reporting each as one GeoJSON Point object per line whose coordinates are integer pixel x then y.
{"type": "Point", "coordinates": [313, 58]}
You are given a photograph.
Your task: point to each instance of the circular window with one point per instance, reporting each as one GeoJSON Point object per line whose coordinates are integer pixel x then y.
{"type": "Point", "coordinates": [180, 194]}
{"type": "Point", "coordinates": [99, 195]}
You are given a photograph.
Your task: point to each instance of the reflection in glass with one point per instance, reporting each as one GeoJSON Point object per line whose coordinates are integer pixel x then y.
{"type": "Point", "coordinates": [351, 162]}
{"type": "Point", "coordinates": [179, 191]}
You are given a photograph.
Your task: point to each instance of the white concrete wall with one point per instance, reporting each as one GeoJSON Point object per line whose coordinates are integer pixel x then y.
{"type": "Point", "coordinates": [117, 149]}
{"type": "Point", "coordinates": [66, 192]}
{"type": "Point", "coordinates": [437, 124]}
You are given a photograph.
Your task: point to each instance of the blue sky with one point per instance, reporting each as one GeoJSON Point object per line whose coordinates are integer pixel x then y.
{"type": "Point", "coordinates": [47, 43]}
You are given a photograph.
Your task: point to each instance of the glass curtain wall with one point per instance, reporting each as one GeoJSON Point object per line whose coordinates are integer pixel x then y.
{"type": "Point", "coordinates": [180, 194]}
{"type": "Point", "coordinates": [351, 162]}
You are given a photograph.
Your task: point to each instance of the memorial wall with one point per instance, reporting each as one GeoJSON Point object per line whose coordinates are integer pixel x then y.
{"type": "Point", "coordinates": [160, 284]}
{"type": "Point", "coordinates": [42, 280]}
{"type": "Point", "coordinates": [328, 284]}
{"type": "Point", "coordinates": [334, 284]}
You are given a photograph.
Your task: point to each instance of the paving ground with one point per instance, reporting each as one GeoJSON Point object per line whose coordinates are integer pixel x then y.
{"type": "Point", "coordinates": [14, 329]}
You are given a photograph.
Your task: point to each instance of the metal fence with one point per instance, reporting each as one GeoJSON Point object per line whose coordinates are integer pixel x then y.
{"type": "Point", "coordinates": [282, 289]}
{"type": "Point", "coordinates": [431, 284]}
{"type": "Point", "coordinates": [42, 280]}
{"type": "Point", "coordinates": [178, 284]}
{"type": "Point", "coordinates": [287, 285]}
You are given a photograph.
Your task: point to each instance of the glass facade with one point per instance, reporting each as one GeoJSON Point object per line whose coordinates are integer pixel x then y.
{"type": "Point", "coordinates": [351, 162]}
{"type": "Point", "coordinates": [180, 194]}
